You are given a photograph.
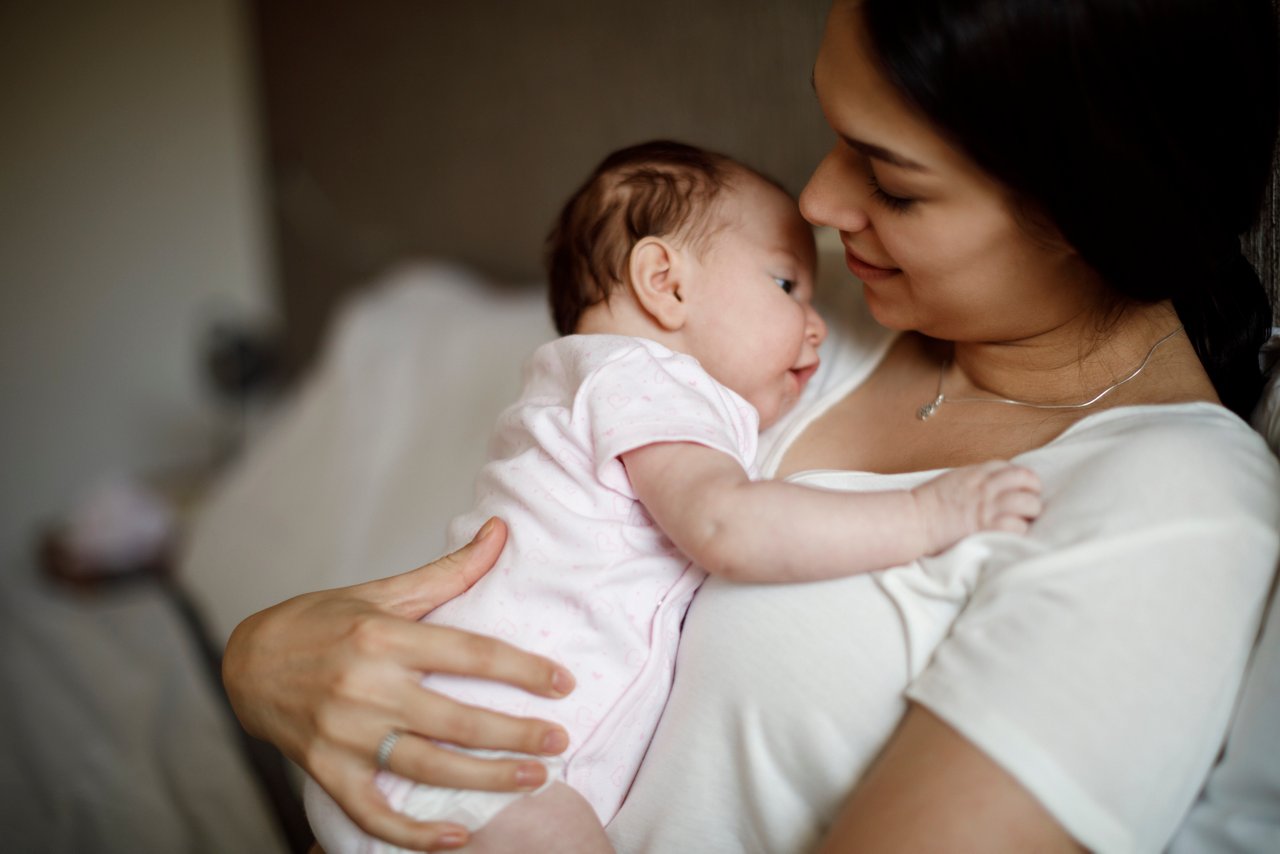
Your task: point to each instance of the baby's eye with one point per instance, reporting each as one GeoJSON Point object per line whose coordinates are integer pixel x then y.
{"type": "Point", "coordinates": [787, 285]}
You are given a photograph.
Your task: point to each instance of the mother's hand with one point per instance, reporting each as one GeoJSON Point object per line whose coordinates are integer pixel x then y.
{"type": "Point", "coordinates": [326, 676]}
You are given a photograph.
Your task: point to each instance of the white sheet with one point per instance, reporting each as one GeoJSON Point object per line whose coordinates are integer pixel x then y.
{"type": "Point", "coordinates": [112, 736]}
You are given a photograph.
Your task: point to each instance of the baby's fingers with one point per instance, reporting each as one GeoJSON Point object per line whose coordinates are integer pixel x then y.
{"type": "Point", "coordinates": [1011, 524]}
{"type": "Point", "coordinates": [1013, 510]}
{"type": "Point", "coordinates": [1012, 499]}
{"type": "Point", "coordinates": [1018, 502]}
{"type": "Point", "coordinates": [1007, 478]}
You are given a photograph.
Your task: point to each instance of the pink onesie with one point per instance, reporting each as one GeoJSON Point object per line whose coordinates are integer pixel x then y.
{"type": "Point", "coordinates": [586, 578]}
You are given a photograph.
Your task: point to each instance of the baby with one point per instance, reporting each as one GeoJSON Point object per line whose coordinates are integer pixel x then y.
{"type": "Point", "coordinates": [681, 282]}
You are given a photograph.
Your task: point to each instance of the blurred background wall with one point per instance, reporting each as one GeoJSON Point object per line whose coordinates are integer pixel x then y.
{"type": "Point", "coordinates": [425, 127]}
{"type": "Point", "coordinates": [167, 164]}
{"type": "Point", "coordinates": [164, 164]}
{"type": "Point", "coordinates": [130, 214]}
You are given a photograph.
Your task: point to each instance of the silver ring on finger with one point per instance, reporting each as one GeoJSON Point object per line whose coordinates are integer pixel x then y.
{"type": "Point", "coordinates": [383, 757]}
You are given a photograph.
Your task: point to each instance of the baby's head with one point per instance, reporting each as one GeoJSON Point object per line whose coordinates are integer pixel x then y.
{"type": "Point", "coordinates": [696, 251]}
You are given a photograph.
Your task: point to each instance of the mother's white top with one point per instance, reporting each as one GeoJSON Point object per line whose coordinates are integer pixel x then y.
{"type": "Point", "coordinates": [1097, 659]}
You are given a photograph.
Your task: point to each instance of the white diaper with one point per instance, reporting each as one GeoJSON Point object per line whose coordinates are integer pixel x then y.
{"type": "Point", "coordinates": [468, 807]}
{"type": "Point", "coordinates": [338, 834]}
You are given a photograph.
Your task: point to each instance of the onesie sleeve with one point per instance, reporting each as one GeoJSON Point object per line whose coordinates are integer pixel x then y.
{"type": "Point", "coordinates": [1099, 659]}
{"type": "Point", "coordinates": [648, 394]}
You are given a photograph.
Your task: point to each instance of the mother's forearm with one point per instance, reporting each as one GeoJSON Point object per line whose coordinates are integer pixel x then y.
{"type": "Point", "coordinates": [933, 790]}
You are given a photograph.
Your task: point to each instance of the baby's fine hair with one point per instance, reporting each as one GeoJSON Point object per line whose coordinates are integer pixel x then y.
{"type": "Point", "coordinates": [655, 189]}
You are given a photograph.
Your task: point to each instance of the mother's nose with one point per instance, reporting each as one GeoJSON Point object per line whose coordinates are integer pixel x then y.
{"type": "Point", "coordinates": [836, 193]}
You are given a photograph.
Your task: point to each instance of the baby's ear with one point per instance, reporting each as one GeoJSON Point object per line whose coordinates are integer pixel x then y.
{"type": "Point", "coordinates": [656, 269]}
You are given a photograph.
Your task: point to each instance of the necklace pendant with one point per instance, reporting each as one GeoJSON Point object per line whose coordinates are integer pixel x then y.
{"type": "Point", "coordinates": [924, 412]}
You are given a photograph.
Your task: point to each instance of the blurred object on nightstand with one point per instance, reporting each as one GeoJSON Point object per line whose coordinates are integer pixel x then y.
{"type": "Point", "coordinates": [242, 360]}
{"type": "Point", "coordinates": [118, 530]}
{"type": "Point", "coordinates": [243, 367]}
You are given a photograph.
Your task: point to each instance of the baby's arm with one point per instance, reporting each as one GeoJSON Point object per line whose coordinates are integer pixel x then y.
{"type": "Point", "coordinates": [769, 530]}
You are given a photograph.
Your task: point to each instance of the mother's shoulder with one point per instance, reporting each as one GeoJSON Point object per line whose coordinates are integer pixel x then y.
{"type": "Point", "coordinates": [1198, 457]}
{"type": "Point", "coordinates": [1210, 426]}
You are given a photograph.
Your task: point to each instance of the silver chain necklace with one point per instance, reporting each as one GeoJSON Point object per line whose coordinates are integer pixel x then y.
{"type": "Point", "coordinates": [924, 412]}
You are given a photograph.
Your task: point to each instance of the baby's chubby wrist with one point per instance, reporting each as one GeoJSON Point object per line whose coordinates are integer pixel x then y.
{"type": "Point", "coordinates": [923, 510]}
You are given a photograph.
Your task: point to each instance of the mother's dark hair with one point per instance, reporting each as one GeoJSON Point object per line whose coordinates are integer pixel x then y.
{"type": "Point", "coordinates": [1143, 129]}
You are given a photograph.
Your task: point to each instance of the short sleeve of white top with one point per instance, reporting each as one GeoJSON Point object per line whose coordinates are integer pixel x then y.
{"type": "Point", "coordinates": [1097, 659]}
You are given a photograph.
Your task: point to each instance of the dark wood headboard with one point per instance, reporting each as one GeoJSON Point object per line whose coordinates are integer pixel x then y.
{"type": "Point", "coordinates": [410, 128]}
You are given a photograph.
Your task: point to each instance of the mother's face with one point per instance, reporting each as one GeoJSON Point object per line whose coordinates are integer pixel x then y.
{"type": "Point", "coordinates": [934, 239]}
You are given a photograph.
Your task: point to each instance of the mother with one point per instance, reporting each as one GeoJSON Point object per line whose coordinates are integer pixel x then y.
{"type": "Point", "coordinates": [1042, 201]}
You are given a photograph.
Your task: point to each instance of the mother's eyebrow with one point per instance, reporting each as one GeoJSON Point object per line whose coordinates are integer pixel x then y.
{"type": "Point", "coordinates": [884, 154]}
{"type": "Point", "coordinates": [871, 150]}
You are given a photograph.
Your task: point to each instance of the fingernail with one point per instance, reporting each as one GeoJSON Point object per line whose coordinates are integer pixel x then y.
{"type": "Point", "coordinates": [554, 741]}
{"type": "Point", "coordinates": [530, 776]}
{"type": "Point", "coordinates": [452, 839]}
{"type": "Point", "coordinates": [562, 681]}
{"type": "Point", "coordinates": [486, 529]}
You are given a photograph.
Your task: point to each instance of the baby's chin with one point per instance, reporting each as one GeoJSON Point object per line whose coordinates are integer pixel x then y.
{"type": "Point", "coordinates": [779, 409]}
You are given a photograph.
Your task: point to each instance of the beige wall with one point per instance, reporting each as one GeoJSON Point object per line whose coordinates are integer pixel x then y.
{"type": "Point", "coordinates": [129, 214]}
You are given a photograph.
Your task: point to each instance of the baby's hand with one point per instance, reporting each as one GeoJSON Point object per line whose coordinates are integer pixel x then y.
{"type": "Point", "coordinates": [989, 496]}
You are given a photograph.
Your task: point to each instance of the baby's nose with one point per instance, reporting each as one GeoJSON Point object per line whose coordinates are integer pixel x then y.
{"type": "Point", "coordinates": [815, 329]}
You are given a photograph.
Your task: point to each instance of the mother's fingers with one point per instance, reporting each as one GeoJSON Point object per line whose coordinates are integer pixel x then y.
{"type": "Point", "coordinates": [423, 761]}
{"type": "Point", "coordinates": [442, 649]}
{"type": "Point", "coordinates": [414, 593]}
{"type": "Point", "coordinates": [353, 788]}
{"type": "Point", "coordinates": [445, 719]}
{"type": "Point", "coordinates": [347, 730]}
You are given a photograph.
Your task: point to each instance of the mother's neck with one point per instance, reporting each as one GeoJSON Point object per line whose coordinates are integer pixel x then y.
{"type": "Point", "coordinates": [1068, 363]}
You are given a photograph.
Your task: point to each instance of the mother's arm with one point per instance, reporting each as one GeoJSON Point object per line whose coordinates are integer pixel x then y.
{"type": "Point", "coordinates": [933, 790]}
{"type": "Point", "coordinates": [327, 675]}
{"type": "Point", "coordinates": [1101, 665]}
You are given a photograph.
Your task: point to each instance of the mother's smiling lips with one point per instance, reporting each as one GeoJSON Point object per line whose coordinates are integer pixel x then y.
{"type": "Point", "coordinates": [866, 271]}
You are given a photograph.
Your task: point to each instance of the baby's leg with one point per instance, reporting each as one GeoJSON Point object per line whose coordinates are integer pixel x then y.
{"type": "Point", "coordinates": [557, 820]}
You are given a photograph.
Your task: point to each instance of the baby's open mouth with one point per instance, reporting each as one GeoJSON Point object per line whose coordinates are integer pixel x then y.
{"type": "Point", "coordinates": [803, 375]}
